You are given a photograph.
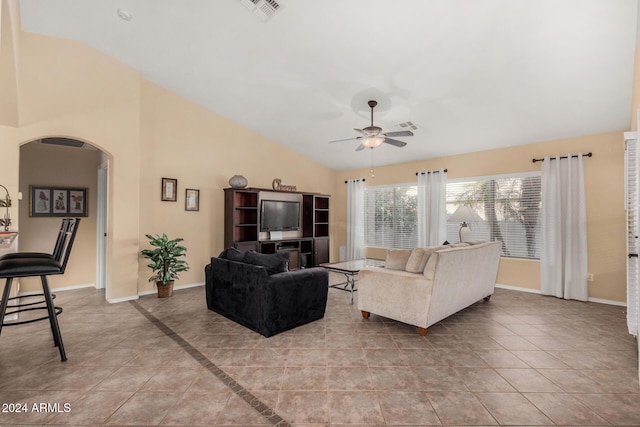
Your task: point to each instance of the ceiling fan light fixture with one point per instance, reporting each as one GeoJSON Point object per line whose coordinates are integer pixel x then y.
{"type": "Point", "coordinates": [372, 142]}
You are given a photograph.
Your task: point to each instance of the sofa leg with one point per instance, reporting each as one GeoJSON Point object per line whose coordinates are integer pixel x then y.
{"type": "Point", "coordinates": [422, 331]}
{"type": "Point", "coordinates": [487, 298]}
{"type": "Point", "coordinates": [365, 314]}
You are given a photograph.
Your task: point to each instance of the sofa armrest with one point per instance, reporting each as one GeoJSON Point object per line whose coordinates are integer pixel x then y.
{"type": "Point", "coordinates": [230, 286]}
{"type": "Point", "coordinates": [395, 294]}
{"type": "Point", "coordinates": [298, 294]}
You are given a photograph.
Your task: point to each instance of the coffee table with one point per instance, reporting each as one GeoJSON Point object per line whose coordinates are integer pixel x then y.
{"type": "Point", "coordinates": [350, 269]}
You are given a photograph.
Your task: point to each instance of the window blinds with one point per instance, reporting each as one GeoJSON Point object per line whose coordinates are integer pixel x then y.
{"type": "Point", "coordinates": [391, 216]}
{"type": "Point", "coordinates": [633, 231]}
{"type": "Point", "coordinates": [509, 207]}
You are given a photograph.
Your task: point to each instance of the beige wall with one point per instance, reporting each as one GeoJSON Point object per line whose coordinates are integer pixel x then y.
{"type": "Point", "coordinates": [69, 90]}
{"type": "Point", "coordinates": [66, 89]}
{"type": "Point", "coordinates": [604, 174]}
{"type": "Point", "coordinates": [202, 150]}
{"type": "Point", "coordinates": [63, 167]}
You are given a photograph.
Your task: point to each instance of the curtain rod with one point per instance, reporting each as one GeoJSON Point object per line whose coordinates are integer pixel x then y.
{"type": "Point", "coordinates": [435, 171]}
{"type": "Point", "coordinates": [356, 180]}
{"type": "Point", "coordinates": [589, 154]}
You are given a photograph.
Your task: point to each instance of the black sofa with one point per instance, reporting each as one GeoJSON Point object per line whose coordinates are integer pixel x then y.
{"type": "Point", "coordinates": [257, 291]}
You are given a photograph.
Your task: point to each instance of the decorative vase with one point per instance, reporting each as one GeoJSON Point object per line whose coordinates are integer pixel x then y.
{"type": "Point", "coordinates": [165, 291]}
{"type": "Point", "coordinates": [238, 181]}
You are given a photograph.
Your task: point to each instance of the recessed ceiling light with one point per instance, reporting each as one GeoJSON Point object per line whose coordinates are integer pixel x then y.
{"type": "Point", "coordinates": [125, 15]}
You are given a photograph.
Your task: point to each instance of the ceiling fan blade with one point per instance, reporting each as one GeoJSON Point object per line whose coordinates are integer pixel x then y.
{"type": "Point", "coordinates": [399, 133]}
{"type": "Point", "coordinates": [347, 139]}
{"type": "Point", "coordinates": [360, 147]}
{"type": "Point", "coordinates": [395, 142]}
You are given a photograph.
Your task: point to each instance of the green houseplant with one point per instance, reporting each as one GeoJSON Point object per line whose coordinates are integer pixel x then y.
{"type": "Point", "coordinates": [166, 262]}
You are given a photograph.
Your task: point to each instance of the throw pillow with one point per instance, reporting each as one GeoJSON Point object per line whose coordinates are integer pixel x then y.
{"type": "Point", "coordinates": [396, 259]}
{"type": "Point", "coordinates": [430, 268]}
{"type": "Point", "coordinates": [274, 263]}
{"type": "Point", "coordinates": [417, 260]}
{"type": "Point", "coordinates": [232, 254]}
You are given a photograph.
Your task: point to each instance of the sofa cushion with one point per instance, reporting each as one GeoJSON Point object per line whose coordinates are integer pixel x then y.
{"type": "Point", "coordinates": [417, 260]}
{"type": "Point", "coordinates": [430, 268]}
{"type": "Point", "coordinates": [274, 263]}
{"type": "Point", "coordinates": [459, 245]}
{"type": "Point", "coordinates": [232, 254]}
{"type": "Point", "coordinates": [396, 259]}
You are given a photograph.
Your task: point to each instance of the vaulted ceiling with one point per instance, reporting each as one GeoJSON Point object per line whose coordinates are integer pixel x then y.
{"type": "Point", "coordinates": [470, 75]}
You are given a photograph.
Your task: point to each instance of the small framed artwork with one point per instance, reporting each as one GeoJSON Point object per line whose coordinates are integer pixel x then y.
{"type": "Point", "coordinates": [169, 190]}
{"type": "Point", "coordinates": [57, 201]}
{"type": "Point", "coordinates": [192, 200]}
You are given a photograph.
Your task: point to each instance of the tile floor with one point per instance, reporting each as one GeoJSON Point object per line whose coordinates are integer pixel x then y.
{"type": "Point", "coordinates": [520, 359]}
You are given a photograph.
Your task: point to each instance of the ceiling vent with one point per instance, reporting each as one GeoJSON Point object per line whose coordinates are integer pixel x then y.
{"type": "Point", "coordinates": [66, 142]}
{"type": "Point", "coordinates": [263, 9]}
{"type": "Point", "coordinates": [407, 126]}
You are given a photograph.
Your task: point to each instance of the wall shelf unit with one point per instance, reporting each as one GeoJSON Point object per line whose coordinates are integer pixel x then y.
{"type": "Point", "coordinates": [242, 226]}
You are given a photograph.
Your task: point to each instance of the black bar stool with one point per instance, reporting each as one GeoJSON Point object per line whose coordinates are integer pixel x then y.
{"type": "Point", "coordinates": [30, 264]}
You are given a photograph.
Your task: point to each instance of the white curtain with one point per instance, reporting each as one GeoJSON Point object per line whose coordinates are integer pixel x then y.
{"type": "Point", "coordinates": [432, 213]}
{"type": "Point", "coordinates": [355, 219]}
{"type": "Point", "coordinates": [563, 255]}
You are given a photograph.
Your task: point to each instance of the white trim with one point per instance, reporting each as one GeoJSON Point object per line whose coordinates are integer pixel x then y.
{"type": "Point", "coordinates": [519, 289]}
{"type": "Point", "coordinates": [537, 291]}
{"type": "Point", "coordinates": [608, 301]}
{"type": "Point", "coordinates": [66, 288]}
{"type": "Point", "coordinates": [124, 299]}
{"type": "Point", "coordinates": [10, 317]}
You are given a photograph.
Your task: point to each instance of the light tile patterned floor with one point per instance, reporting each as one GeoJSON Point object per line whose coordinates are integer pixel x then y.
{"type": "Point", "coordinates": [520, 359]}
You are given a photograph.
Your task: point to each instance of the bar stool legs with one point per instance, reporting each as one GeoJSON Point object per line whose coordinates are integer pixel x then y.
{"type": "Point", "coordinates": [53, 318]}
{"type": "Point", "coordinates": [51, 309]}
{"type": "Point", "coordinates": [5, 300]}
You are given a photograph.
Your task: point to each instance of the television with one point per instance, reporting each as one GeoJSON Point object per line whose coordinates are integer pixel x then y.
{"type": "Point", "coordinates": [279, 215]}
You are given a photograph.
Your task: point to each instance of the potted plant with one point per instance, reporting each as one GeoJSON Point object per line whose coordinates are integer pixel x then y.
{"type": "Point", "coordinates": [165, 262]}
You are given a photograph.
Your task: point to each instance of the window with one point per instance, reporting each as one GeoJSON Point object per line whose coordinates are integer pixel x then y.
{"type": "Point", "coordinates": [509, 206]}
{"type": "Point", "coordinates": [391, 216]}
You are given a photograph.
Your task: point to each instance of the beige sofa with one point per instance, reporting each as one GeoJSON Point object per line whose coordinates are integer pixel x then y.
{"type": "Point", "coordinates": [423, 286]}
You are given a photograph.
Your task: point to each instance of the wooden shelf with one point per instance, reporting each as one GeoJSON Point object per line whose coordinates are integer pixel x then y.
{"type": "Point", "coordinates": [242, 227]}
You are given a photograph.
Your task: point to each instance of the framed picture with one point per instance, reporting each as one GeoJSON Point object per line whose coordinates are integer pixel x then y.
{"type": "Point", "coordinates": [169, 190]}
{"type": "Point", "coordinates": [192, 200]}
{"type": "Point", "coordinates": [57, 201]}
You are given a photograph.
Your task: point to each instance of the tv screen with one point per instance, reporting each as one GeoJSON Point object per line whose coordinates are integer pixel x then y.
{"type": "Point", "coordinates": [279, 215]}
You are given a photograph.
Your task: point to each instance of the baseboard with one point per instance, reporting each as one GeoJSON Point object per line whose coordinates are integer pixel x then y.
{"type": "Point", "coordinates": [10, 317]}
{"type": "Point", "coordinates": [519, 289]}
{"type": "Point", "coordinates": [65, 288]}
{"type": "Point", "coordinates": [123, 299]}
{"type": "Point", "coordinates": [537, 291]}
{"type": "Point", "coordinates": [608, 301]}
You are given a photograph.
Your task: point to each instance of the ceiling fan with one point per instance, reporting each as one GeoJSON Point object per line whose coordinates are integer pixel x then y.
{"type": "Point", "coordinates": [372, 136]}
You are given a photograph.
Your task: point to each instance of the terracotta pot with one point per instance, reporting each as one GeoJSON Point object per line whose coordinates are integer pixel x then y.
{"type": "Point", "coordinates": [165, 291]}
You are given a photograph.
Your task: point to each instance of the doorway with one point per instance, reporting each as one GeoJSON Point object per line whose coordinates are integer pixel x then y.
{"type": "Point", "coordinates": [57, 162]}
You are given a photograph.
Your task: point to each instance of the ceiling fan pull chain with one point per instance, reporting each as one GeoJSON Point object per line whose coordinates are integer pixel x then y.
{"type": "Point", "coordinates": [373, 175]}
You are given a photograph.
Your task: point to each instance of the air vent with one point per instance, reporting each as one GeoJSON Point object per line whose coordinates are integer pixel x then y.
{"type": "Point", "coordinates": [263, 9]}
{"type": "Point", "coordinates": [66, 142]}
{"type": "Point", "coordinates": [407, 126]}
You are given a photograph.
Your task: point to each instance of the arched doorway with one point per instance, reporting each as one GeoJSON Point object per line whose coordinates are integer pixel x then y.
{"type": "Point", "coordinates": [65, 168]}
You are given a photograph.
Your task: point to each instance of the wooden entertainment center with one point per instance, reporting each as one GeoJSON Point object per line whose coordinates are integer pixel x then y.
{"type": "Point", "coordinates": [310, 246]}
